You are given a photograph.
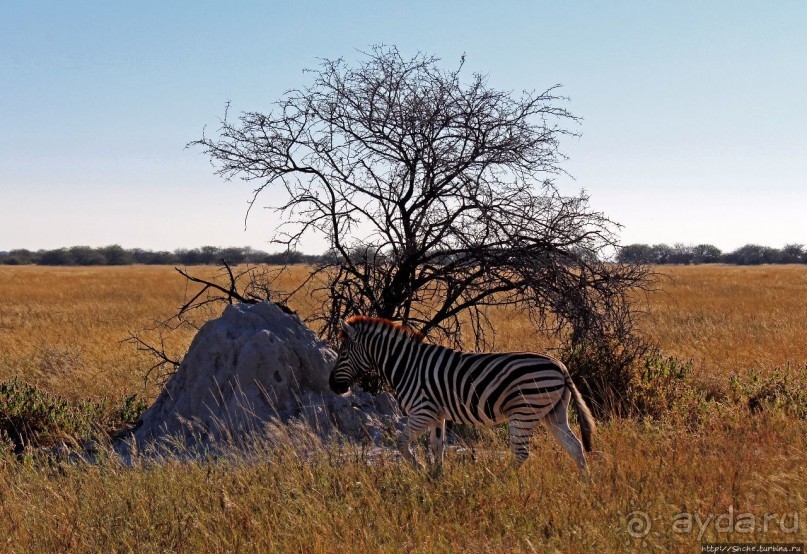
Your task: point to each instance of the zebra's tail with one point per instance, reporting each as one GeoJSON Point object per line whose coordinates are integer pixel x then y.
{"type": "Point", "coordinates": [587, 424]}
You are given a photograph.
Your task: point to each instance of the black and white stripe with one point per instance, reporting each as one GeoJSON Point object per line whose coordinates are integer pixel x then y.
{"type": "Point", "coordinates": [434, 384]}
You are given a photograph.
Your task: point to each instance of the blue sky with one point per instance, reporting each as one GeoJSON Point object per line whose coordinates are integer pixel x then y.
{"type": "Point", "coordinates": [694, 113]}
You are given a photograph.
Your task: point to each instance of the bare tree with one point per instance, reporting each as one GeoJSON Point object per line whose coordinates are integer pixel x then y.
{"type": "Point", "coordinates": [436, 195]}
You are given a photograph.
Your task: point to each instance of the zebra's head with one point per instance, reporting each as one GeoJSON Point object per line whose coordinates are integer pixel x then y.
{"type": "Point", "coordinates": [351, 362]}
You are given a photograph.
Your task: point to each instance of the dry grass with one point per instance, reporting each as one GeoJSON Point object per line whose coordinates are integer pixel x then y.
{"type": "Point", "coordinates": [337, 501]}
{"type": "Point", "coordinates": [732, 318]}
{"type": "Point", "coordinates": [62, 328]}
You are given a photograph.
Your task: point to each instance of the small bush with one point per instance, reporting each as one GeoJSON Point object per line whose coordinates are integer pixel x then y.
{"type": "Point", "coordinates": [638, 381]}
{"type": "Point", "coordinates": [605, 371]}
{"type": "Point", "coordinates": [660, 385]}
{"type": "Point", "coordinates": [781, 389]}
{"type": "Point", "coordinates": [662, 388]}
{"type": "Point", "coordinates": [129, 411]}
{"type": "Point", "coordinates": [33, 418]}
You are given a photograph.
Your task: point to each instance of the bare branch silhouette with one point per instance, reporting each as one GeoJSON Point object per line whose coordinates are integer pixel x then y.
{"type": "Point", "coordinates": [436, 194]}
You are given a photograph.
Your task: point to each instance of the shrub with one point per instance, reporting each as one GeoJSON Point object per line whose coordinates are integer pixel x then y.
{"type": "Point", "coordinates": [604, 371]}
{"type": "Point", "coordinates": [33, 418]}
{"type": "Point", "coordinates": [638, 381]}
{"type": "Point", "coordinates": [663, 388]}
{"type": "Point", "coordinates": [128, 412]}
{"type": "Point", "coordinates": [782, 389]}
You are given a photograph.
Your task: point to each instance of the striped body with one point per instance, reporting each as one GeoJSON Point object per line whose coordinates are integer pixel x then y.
{"type": "Point", "coordinates": [479, 389]}
{"type": "Point", "coordinates": [434, 384]}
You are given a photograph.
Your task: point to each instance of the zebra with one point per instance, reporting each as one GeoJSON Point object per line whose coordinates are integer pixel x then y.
{"type": "Point", "coordinates": [435, 384]}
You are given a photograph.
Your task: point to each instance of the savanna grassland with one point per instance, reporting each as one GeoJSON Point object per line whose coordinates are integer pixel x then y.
{"type": "Point", "coordinates": [726, 462]}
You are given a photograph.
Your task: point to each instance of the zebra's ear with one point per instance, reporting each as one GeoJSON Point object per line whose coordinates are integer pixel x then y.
{"type": "Point", "coordinates": [350, 332]}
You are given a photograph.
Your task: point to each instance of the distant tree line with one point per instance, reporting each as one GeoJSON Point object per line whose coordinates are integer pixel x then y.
{"type": "Point", "coordinates": [116, 255]}
{"type": "Point", "coordinates": [750, 254]}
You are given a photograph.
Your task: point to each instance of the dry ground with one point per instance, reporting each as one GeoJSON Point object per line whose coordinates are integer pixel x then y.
{"type": "Point", "coordinates": [62, 328]}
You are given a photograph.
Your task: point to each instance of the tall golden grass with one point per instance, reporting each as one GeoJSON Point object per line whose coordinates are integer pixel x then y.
{"type": "Point", "coordinates": [338, 502]}
{"type": "Point", "coordinates": [732, 318]}
{"type": "Point", "coordinates": [62, 328]}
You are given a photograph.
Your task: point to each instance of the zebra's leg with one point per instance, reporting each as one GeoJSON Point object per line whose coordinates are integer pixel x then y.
{"type": "Point", "coordinates": [558, 423]}
{"type": "Point", "coordinates": [437, 437]}
{"type": "Point", "coordinates": [520, 433]}
{"type": "Point", "coordinates": [415, 425]}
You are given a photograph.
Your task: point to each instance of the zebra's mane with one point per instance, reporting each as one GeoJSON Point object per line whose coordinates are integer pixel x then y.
{"type": "Point", "coordinates": [364, 320]}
